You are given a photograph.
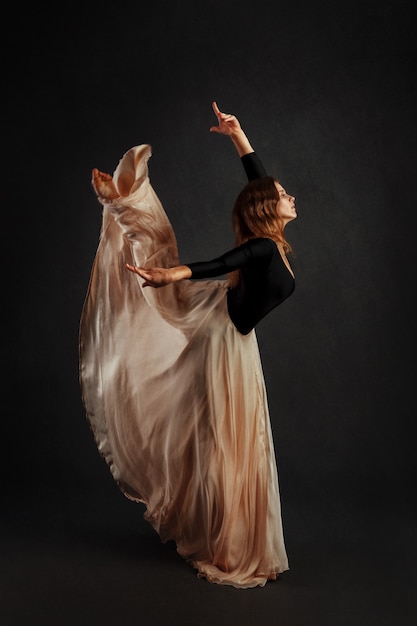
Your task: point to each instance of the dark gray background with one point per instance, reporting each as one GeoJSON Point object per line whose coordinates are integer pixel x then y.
{"type": "Point", "coordinates": [326, 93]}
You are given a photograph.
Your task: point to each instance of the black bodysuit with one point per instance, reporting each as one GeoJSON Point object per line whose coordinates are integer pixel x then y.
{"type": "Point", "coordinates": [265, 281]}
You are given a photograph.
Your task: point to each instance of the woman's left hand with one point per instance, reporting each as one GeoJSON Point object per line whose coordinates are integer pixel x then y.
{"type": "Point", "coordinates": [228, 124]}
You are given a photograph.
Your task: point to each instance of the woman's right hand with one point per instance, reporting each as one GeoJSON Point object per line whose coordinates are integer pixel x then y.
{"type": "Point", "coordinates": [160, 276]}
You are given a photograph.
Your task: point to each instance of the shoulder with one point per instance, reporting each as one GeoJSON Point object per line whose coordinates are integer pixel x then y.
{"type": "Point", "coordinates": [259, 247]}
{"type": "Point", "coordinates": [260, 244]}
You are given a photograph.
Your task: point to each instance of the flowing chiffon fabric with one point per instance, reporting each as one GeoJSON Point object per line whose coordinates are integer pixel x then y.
{"type": "Point", "coordinates": [175, 396]}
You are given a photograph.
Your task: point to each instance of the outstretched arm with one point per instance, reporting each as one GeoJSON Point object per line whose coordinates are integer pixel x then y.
{"type": "Point", "coordinates": [160, 276]}
{"type": "Point", "coordinates": [229, 125]}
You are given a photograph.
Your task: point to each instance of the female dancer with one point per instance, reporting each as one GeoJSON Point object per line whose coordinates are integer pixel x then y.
{"type": "Point", "coordinates": [171, 378]}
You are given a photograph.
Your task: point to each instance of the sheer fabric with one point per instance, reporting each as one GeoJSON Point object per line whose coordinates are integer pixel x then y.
{"type": "Point", "coordinates": [175, 396]}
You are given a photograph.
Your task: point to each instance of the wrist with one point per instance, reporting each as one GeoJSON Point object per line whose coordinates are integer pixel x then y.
{"type": "Point", "coordinates": [237, 135]}
{"type": "Point", "coordinates": [180, 272]}
{"type": "Point", "coordinates": [241, 143]}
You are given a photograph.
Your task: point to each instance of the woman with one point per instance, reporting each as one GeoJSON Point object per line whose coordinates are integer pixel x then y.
{"type": "Point", "coordinates": [171, 378]}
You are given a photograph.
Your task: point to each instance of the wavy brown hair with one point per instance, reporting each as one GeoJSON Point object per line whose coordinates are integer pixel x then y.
{"type": "Point", "coordinates": [255, 215]}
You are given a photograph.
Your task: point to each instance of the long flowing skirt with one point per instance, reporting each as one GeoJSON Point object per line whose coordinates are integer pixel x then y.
{"type": "Point", "coordinates": [175, 396]}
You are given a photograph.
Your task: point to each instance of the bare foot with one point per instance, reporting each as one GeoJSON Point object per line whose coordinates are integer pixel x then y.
{"type": "Point", "coordinates": [103, 185]}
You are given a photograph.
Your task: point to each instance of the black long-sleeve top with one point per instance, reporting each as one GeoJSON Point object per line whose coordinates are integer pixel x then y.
{"type": "Point", "coordinates": [265, 281]}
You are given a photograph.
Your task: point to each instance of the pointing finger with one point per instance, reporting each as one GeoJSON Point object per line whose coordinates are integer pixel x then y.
{"type": "Point", "coordinates": [215, 108]}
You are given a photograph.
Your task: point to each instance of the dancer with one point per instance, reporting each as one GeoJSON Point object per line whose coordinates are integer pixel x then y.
{"type": "Point", "coordinates": [170, 370]}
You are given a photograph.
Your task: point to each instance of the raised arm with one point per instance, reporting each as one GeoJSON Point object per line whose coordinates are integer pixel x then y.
{"type": "Point", "coordinates": [229, 125]}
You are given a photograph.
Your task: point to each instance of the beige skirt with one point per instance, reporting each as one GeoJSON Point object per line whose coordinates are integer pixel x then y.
{"type": "Point", "coordinates": [175, 396]}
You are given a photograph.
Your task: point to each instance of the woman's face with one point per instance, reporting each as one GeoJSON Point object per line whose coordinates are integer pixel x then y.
{"type": "Point", "coordinates": [286, 205]}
